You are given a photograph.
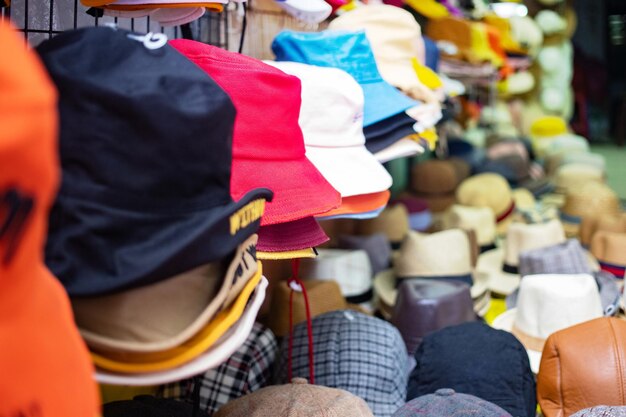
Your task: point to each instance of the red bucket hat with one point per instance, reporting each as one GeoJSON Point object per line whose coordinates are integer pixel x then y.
{"type": "Point", "coordinates": [268, 145]}
{"type": "Point", "coordinates": [45, 366]}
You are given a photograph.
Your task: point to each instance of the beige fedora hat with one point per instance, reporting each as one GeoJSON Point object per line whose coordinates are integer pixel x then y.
{"type": "Point", "coordinates": [441, 255]}
{"type": "Point", "coordinates": [492, 191]}
{"type": "Point", "coordinates": [393, 222]}
{"type": "Point", "coordinates": [593, 223]}
{"type": "Point", "coordinates": [161, 316]}
{"type": "Point", "coordinates": [479, 219]}
{"type": "Point", "coordinates": [548, 303]}
{"type": "Point", "coordinates": [571, 176]}
{"type": "Point", "coordinates": [590, 198]}
{"type": "Point", "coordinates": [501, 264]}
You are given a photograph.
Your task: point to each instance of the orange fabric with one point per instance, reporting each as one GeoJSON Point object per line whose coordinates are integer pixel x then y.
{"type": "Point", "coordinates": [361, 203]}
{"type": "Point", "coordinates": [495, 43]}
{"type": "Point", "coordinates": [45, 368]}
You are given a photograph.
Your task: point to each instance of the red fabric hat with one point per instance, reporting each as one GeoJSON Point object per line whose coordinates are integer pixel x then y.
{"type": "Point", "coordinates": [268, 146]}
{"type": "Point", "coordinates": [296, 235]}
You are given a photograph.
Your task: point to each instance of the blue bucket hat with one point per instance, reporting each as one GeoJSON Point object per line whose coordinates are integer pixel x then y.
{"type": "Point", "coordinates": [475, 359]}
{"type": "Point", "coordinates": [351, 52]}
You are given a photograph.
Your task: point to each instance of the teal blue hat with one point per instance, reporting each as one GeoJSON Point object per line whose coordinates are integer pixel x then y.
{"type": "Point", "coordinates": [351, 52]}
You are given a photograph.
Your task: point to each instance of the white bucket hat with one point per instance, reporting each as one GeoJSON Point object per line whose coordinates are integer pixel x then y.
{"type": "Point", "coordinates": [501, 264]}
{"type": "Point", "coordinates": [442, 255]}
{"type": "Point", "coordinates": [548, 303]}
{"type": "Point", "coordinates": [351, 269]}
{"type": "Point", "coordinates": [331, 118]}
{"type": "Point", "coordinates": [307, 11]}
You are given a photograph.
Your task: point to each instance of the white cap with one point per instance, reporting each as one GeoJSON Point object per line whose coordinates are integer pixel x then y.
{"type": "Point", "coordinates": [331, 118]}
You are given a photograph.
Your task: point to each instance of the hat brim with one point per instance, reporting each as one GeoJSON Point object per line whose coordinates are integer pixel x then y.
{"type": "Point", "coordinates": [500, 282]}
{"type": "Point", "coordinates": [505, 322]}
{"type": "Point", "coordinates": [128, 363]}
{"type": "Point", "coordinates": [295, 254]}
{"type": "Point", "coordinates": [300, 190]}
{"type": "Point", "coordinates": [223, 292]}
{"type": "Point", "coordinates": [91, 251]}
{"type": "Point", "coordinates": [402, 148]}
{"type": "Point", "coordinates": [350, 170]}
{"type": "Point", "coordinates": [291, 236]}
{"type": "Point", "coordinates": [382, 101]}
{"type": "Point", "coordinates": [212, 358]}
{"type": "Point", "coordinates": [365, 205]}
{"type": "Point", "coordinates": [385, 288]}
{"type": "Point", "coordinates": [387, 132]}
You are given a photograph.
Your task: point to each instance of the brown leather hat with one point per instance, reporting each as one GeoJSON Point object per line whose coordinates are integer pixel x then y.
{"type": "Point", "coordinates": [583, 366]}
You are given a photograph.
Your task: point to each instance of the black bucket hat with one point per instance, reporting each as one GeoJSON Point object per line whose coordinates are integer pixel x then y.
{"type": "Point", "coordinates": [145, 147]}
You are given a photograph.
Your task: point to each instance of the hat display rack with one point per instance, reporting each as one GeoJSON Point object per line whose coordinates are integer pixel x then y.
{"type": "Point", "coordinates": [61, 15]}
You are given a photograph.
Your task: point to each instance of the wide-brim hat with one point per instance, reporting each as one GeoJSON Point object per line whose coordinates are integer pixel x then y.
{"type": "Point", "coordinates": [132, 362]}
{"type": "Point", "coordinates": [362, 206]}
{"type": "Point", "coordinates": [161, 316]}
{"type": "Point", "coordinates": [216, 355]}
{"type": "Point", "coordinates": [350, 170]}
{"type": "Point", "coordinates": [402, 148]}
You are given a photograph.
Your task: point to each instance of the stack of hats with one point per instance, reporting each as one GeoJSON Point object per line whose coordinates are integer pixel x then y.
{"type": "Point", "coordinates": [151, 304]}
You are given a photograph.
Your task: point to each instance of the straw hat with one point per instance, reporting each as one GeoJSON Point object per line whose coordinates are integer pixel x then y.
{"type": "Point", "coordinates": [501, 264]}
{"type": "Point", "coordinates": [592, 223]}
{"type": "Point", "coordinates": [591, 198]}
{"type": "Point", "coordinates": [492, 191]}
{"type": "Point", "coordinates": [571, 176]}
{"type": "Point", "coordinates": [610, 250]}
{"type": "Point", "coordinates": [393, 222]}
{"type": "Point", "coordinates": [479, 219]}
{"type": "Point", "coordinates": [442, 255]}
{"type": "Point", "coordinates": [548, 303]}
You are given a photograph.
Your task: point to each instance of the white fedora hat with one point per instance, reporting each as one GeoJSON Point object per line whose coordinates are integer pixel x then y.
{"type": "Point", "coordinates": [501, 264]}
{"type": "Point", "coordinates": [442, 255]}
{"type": "Point", "coordinates": [548, 303]}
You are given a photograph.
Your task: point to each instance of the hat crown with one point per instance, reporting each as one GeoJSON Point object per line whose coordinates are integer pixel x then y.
{"type": "Point", "coordinates": [590, 198]}
{"type": "Point", "coordinates": [352, 269]}
{"type": "Point", "coordinates": [332, 105]}
{"type": "Point", "coordinates": [551, 302]}
{"type": "Point", "coordinates": [297, 399]}
{"type": "Point", "coordinates": [486, 190]}
{"type": "Point", "coordinates": [349, 51]}
{"type": "Point", "coordinates": [446, 402]}
{"type": "Point", "coordinates": [29, 171]}
{"type": "Point", "coordinates": [439, 254]}
{"type": "Point", "coordinates": [553, 259]}
{"type": "Point", "coordinates": [122, 107]}
{"type": "Point", "coordinates": [609, 247]}
{"type": "Point", "coordinates": [260, 120]}
{"type": "Point", "coordinates": [521, 237]}
{"type": "Point", "coordinates": [479, 219]}
{"type": "Point", "coordinates": [399, 44]}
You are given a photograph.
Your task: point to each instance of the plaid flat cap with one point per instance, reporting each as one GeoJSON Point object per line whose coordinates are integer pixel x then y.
{"type": "Point", "coordinates": [565, 258]}
{"type": "Point", "coordinates": [247, 370]}
{"type": "Point", "coordinates": [361, 354]}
